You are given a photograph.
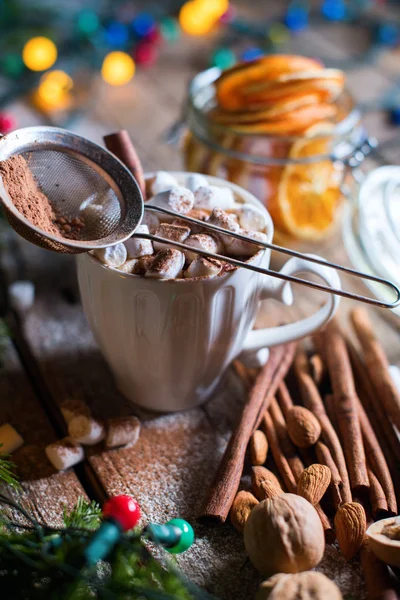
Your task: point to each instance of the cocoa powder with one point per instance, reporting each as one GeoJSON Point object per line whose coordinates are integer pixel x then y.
{"type": "Point", "coordinates": [32, 203]}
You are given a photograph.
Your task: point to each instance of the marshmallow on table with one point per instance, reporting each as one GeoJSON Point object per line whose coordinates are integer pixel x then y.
{"type": "Point", "coordinates": [86, 430]}
{"type": "Point", "coordinates": [162, 181]}
{"type": "Point", "coordinates": [252, 218]}
{"type": "Point", "coordinates": [64, 453]}
{"type": "Point", "coordinates": [112, 256]}
{"type": "Point", "coordinates": [178, 199]}
{"type": "Point", "coordinates": [136, 247]}
{"type": "Point", "coordinates": [203, 267]}
{"type": "Point", "coordinates": [10, 440]}
{"type": "Point", "coordinates": [167, 264]}
{"type": "Point", "coordinates": [195, 180]}
{"type": "Point", "coordinates": [175, 233]}
{"type": "Point", "coordinates": [203, 241]}
{"type": "Point", "coordinates": [235, 247]}
{"type": "Point", "coordinates": [21, 295]}
{"type": "Point", "coordinates": [212, 196]}
{"type": "Point", "coordinates": [74, 408]}
{"type": "Point", "coordinates": [122, 431]}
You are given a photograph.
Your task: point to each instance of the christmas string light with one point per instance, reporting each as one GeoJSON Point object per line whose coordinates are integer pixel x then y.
{"type": "Point", "coordinates": [39, 54]}
{"type": "Point", "coordinates": [118, 68]}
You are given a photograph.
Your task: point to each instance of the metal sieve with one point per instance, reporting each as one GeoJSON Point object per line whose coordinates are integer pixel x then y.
{"type": "Point", "coordinates": [81, 180]}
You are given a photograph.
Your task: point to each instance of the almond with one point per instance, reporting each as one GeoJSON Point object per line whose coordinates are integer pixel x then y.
{"type": "Point", "coordinates": [350, 525]}
{"type": "Point", "coordinates": [242, 506]}
{"type": "Point", "coordinates": [264, 483]}
{"type": "Point", "coordinates": [303, 428]}
{"type": "Point", "coordinates": [258, 447]}
{"type": "Point", "coordinates": [314, 482]}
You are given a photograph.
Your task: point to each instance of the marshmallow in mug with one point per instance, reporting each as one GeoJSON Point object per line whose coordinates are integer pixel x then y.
{"type": "Point", "coordinates": [167, 264]}
{"type": "Point", "coordinates": [137, 247]}
{"type": "Point", "coordinates": [212, 196]}
{"type": "Point", "coordinates": [178, 199]}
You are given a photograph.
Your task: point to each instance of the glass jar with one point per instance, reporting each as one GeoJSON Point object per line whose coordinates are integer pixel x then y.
{"type": "Point", "coordinates": [298, 179]}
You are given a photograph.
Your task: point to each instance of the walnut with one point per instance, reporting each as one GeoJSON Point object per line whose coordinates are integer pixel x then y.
{"type": "Point", "coordinates": [284, 534]}
{"type": "Point", "coordinates": [301, 586]}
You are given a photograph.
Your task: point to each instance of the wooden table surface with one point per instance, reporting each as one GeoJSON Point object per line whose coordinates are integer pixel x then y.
{"type": "Point", "coordinates": [53, 356]}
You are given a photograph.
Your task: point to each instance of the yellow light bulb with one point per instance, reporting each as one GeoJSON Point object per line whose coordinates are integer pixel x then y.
{"type": "Point", "coordinates": [54, 89]}
{"type": "Point", "coordinates": [118, 68]}
{"type": "Point", "coordinates": [196, 19]}
{"type": "Point", "coordinates": [39, 54]}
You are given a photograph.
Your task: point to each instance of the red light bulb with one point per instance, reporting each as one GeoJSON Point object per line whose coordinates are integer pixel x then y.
{"type": "Point", "coordinates": [124, 510]}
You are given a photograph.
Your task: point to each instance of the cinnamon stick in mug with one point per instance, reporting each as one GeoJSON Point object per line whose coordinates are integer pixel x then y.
{"type": "Point", "coordinates": [227, 479]}
{"type": "Point", "coordinates": [121, 145]}
{"type": "Point", "coordinates": [345, 406]}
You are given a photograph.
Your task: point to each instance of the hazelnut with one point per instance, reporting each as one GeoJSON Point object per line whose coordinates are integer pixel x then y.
{"type": "Point", "coordinates": [301, 586]}
{"type": "Point", "coordinates": [284, 534]}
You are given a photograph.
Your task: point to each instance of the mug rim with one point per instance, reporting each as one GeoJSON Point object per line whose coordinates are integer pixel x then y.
{"type": "Point", "coordinates": [241, 192]}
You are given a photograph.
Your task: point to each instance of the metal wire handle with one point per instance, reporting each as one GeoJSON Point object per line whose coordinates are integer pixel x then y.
{"type": "Point", "coordinates": [281, 249]}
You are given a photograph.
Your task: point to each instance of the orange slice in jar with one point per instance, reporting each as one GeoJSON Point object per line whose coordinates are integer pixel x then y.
{"type": "Point", "coordinates": [231, 82]}
{"type": "Point", "coordinates": [276, 110]}
{"type": "Point", "coordinates": [309, 193]}
{"type": "Point", "coordinates": [293, 121]}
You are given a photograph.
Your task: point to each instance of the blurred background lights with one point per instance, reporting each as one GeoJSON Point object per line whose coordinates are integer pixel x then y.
{"type": "Point", "coordinates": [39, 54]}
{"type": "Point", "coordinates": [118, 68]}
{"type": "Point", "coordinates": [54, 90]}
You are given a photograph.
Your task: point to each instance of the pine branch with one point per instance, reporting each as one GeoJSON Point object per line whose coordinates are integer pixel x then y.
{"type": "Point", "coordinates": [6, 471]}
{"type": "Point", "coordinates": [84, 515]}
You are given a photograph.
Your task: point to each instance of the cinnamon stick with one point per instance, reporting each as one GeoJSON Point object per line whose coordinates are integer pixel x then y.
{"type": "Point", "coordinates": [284, 399]}
{"type": "Point", "coordinates": [280, 459]}
{"type": "Point", "coordinates": [242, 373]}
{"type": "Point", "coordinates": [313, 401]}
{"type": "Point", "coordinates": [378, 582]}
{"type": "Point", "coordinates": [317, 368]}
{"type": "Point", "coordinates": [227, 479]}
{"type": "Point", "coordinates": [377, 497]}
{"type": "Point", "coordinates": [121, 145]}
{"type": "Point", "coordinates": [377, 461]}
{"type": "Point", "coordinates": [377, 364]}
{"type": "Point", "coordinates": [325, 457]}
{"type": "Point", "coordinates": [345, 405]}
{"type": "Point", "coordinates": [371, 402]}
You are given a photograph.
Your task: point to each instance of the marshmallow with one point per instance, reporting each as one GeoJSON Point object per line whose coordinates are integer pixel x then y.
{"type": "Point", "coordinates": [167, 264]}
{"type": "Point", "coordinates": [195, 180]}
{"type": "Point", "coordinates": [86, 430]}
{"type": "Point", "coordinates": [212, 196]}
{"type": "Point", "coordinates": [129, 266]}
{"type": "Point", "coordinates": [64, 453]}
{"type": "Point", "coordinates": [178, 199]}
{"type": "Point", "coordinates": [162, 181]}
{"type": "Point", "coordinates": [122, 431]}
{"type": "Point", "coordinates": [74, 408]}
{"type": "Point", "coordinates": [222, 219]}
{"type": "Point", "coordinates": [21, 295]}
{"type": "Point", "coordinates": [205, 242]}
{"type": "Point", "coordinates": [151, 219]}
{"type": "Point", "coordinates": [176, 233]}
{"type": "Point", "coordinates": [143, 263]}
{"type": "Point", "coordinates": [252, 218]}
{"type": "Point", "coordinates": [10, 440]}
{"type": "Point", "coordinates": [112, 256]}
{"type": "Point", "coordinates": [237, 247]}
{"type": "Point", "coordinates": [136, 246]}
{"type": "Point", "coordinates": [203, 267]}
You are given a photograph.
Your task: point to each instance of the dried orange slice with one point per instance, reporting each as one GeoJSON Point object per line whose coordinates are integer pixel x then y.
{"type": "Point", "coordinates": [293, 121]}
{"type": "Point", "coordinates": [230, 83]}
{"type": "Point", "coordinates": [308, 195]}
{"type": "Point", "coordinates": [277, 110]}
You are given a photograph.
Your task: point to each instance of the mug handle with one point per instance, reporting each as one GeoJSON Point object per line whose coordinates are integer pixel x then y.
{"type": "Point", "coordinates": [259, 339]}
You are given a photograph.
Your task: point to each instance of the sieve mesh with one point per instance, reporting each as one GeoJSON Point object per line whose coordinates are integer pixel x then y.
{"type": "Point", "coordinates": [75, 190]}
{"type": "Point", "coordinates": [80, 180]}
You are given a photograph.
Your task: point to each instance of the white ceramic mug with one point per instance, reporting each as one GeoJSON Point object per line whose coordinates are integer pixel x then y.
{"type": "Point", "coordinates": [168, 342]}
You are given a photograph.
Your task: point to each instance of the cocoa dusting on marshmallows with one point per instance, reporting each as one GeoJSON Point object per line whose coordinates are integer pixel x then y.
{"type": "Point", "coordinates": [32, 203]}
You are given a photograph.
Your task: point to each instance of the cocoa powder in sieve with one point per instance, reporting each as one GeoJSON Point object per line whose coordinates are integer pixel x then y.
{"type": "Point", "coordinates": [26, 196]}
{"type": "Point", "coordinates": [32, 203]}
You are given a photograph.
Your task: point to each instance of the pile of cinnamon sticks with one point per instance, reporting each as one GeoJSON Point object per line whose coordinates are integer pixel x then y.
{"type": "Point", "coordinates": [350, 391]}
